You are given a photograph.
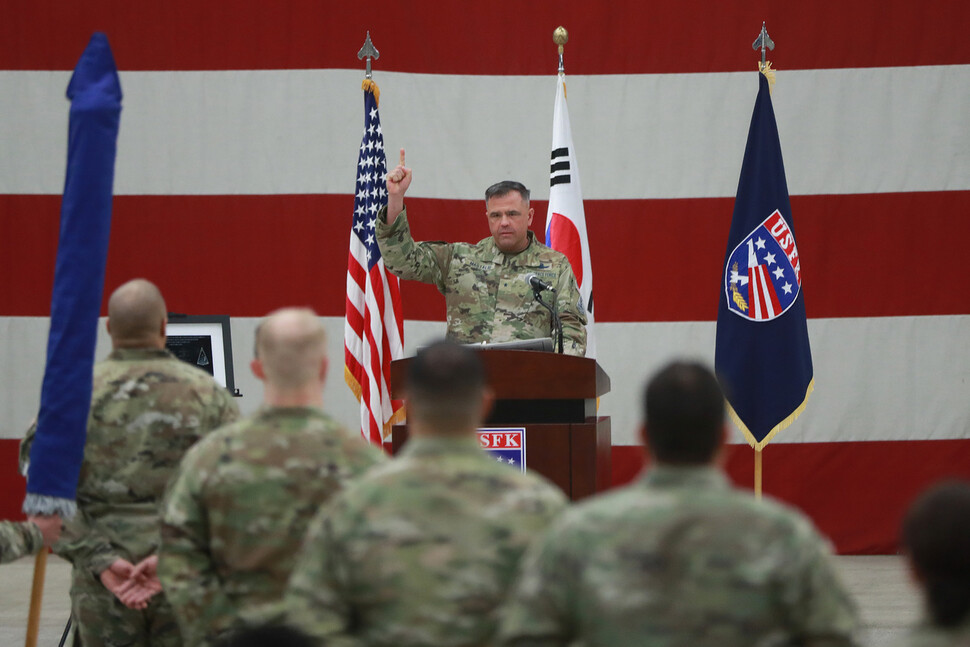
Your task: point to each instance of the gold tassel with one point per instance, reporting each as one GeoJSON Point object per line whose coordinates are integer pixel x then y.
{"type": "Point", "coordinates": [784, 424]}
{"type": "Point", "coordinates": [769, 74]}
{"type": "Point", "coordinates": [370, 86]}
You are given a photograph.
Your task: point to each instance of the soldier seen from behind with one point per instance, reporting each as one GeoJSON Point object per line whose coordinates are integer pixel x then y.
{"type": "Point", "coordinates": [147, 409]}
{"type": "Point", "coordinates": [422, 550]}
{"type": "Point", "coordinates": [238, 509]}
{"type": "Point", "coordinates": [680, 557]}
{"type": "Point", "coordinates": [936, 540]}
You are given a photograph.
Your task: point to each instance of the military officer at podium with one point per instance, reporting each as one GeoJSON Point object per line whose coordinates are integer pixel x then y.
{"type": "Point", "coordinates": [487, 287]}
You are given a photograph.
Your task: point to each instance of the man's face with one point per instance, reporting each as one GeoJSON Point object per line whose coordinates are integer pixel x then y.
{"type": "Point", "coordinates": [509, 218]}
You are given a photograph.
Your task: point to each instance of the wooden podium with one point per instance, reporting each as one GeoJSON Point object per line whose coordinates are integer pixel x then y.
{"type": "Point", "coordinates": [554, 397]}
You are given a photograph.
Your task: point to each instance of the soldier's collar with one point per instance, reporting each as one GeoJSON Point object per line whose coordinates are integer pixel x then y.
{"type": "Point", "coordinates": [438, 445]}
{"type": "Point", "coordinates": [139, 353]}
{"type": "Point", "coordinates": [500, 256]}
{"type": "Point", "coordinates": [267, 411]}
{"type": "Point", "coordinates": [660, 475]}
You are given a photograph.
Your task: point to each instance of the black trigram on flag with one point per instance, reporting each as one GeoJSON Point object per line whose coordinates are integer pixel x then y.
{"type": "Point", "coordinates": [559, 170]}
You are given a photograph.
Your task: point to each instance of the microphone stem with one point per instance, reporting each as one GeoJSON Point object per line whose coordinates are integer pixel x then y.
{"type": "Point", "coordinates": [554, 311]}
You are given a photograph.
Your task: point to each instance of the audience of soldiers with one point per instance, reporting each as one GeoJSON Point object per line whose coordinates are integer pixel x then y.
{"type": "Point", "coordinates": [284, 529]}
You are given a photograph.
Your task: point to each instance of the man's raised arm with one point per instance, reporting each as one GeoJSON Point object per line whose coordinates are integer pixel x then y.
{"type": "Point", "coordinates": [398, 182]}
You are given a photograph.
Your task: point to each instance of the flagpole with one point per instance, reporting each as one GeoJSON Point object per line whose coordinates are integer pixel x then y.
{"type": "Point", "coordinates": [757, 473]}
{"type": "Point", "coordinates": [36, 598]}
{"type": "Point", "coordinates": [762, 42]}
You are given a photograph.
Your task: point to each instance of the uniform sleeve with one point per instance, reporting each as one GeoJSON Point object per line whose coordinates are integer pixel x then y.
{"type": "Point", "coordinates": [572, 312]}
{"type": "Point", "coordinates": [818, 607]}
{"type": "Point", "coordinates": [427, 262]}
{"type": "Point", "coordinates": [314, 600]}
{"type": "Point", "coordinates": [18, 539]}
{"type": "Point", "coordinates": [85, 547]}
{"type": "Point", "coordinates": [536, 613]}
{"type": "Point", "coordinates": [25, 445]}
{"type": "Point", "coordinates": [225, 410]}
{"type": "Point", "coordinates": [185, 566]}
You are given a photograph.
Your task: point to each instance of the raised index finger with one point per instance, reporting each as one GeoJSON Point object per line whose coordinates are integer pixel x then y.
{"type": "Point", "coordinates": [402, 157]}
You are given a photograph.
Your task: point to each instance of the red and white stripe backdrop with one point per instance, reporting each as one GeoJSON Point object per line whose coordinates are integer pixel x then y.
{"type": "Point", "coordinates": [236, 169]}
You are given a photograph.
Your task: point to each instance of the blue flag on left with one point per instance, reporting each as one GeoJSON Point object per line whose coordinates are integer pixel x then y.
{"type": "Point", "coordinates": [762, 354]}
{"type": "Point", "coordinates": [58, 449]}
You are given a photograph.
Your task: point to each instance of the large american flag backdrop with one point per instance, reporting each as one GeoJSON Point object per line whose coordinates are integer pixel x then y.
{"type": "Point", "coordinates": [236, 167]}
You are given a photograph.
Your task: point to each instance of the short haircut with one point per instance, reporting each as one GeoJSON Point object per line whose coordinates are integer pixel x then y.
{"type": "Point", "coordinates": [684, 414]}
{"type": "Point", "coordinates": [505, 187]}
{"type": "Point", "coordinates": [936, 534]}
{"type": "Point", "coordinates": [444, 387]}
{"type": "Point", "coordinates": [136, 311]}
{"type": "Point", "coordinates": [291, 343]}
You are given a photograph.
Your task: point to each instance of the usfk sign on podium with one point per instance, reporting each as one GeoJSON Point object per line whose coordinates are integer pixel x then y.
{"type": "Point", "coordinates": [554, 398]}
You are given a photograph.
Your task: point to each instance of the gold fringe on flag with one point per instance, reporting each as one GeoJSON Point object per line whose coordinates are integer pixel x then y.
{"type": "Point", "coordinates": [352, 383]}
{"type": "Point", "coordinates": [769, 73]}
{"type": "Point", "coordinates": [370, 86]}
{"type": "Point", "coordinates": [397, 417]}
{"type": "Point", "coordinates": [784, 424]}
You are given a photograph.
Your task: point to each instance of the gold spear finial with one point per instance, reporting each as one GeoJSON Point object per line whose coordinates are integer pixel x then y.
{"type": "Point", "coordinates": [560, 37]}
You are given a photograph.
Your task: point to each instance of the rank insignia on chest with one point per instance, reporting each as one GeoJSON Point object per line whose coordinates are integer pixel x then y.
{"type": "Point", "coordinates": [762, 277]}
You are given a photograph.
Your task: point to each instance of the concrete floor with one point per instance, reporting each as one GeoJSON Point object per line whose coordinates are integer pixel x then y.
{"type": "Point", "coordinates": [888, 601]}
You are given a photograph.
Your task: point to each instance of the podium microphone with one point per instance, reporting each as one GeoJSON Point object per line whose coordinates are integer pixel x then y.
{"type": "Point", "coordinates": [538, 285]}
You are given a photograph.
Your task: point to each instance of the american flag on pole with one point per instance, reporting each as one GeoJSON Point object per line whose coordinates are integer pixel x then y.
{"type": "Point", "coordinates": [374, 328]}
{"type": "Point", "coordinates": [566, 218]}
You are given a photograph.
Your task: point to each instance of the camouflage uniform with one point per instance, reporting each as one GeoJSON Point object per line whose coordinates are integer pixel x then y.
{"type": "Point", "coordinates": [147, 409]}
{"type": "Point", "coordinates": [486, 291]}
{"type": "Point", "coordinates": [679, 558]}
{"type": "Point", "coordinates": [928, 635]}
{"type": "Point", "coordinates": [236, 514]}
{"type": "Point", "coordinates": [18, 539]}
{"type": "Point", "coordinates": [420, 551]}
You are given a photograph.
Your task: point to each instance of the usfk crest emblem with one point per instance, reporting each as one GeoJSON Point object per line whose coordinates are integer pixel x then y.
{"type": "Point", "coordinates": [762, 277]}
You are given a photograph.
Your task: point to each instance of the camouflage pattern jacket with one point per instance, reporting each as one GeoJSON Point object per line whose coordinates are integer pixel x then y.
{"type": "Point", "coordinates": [147, 409]}
{"type": "Point", "coordinates": [237, 512]}
{"type": "Point", "coordinates": [487, 294]}
{"type": "Point", "coordinates": [18, 539]}
{"type": "Point", "coordinates": [679, 558]}
{"type": "Point", "coordinates": [421, 551]}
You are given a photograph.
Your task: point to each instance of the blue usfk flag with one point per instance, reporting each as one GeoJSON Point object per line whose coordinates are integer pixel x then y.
{"type": "Point", "coordinates": [82, 251]}
{"type": "Point", "coordinates": [762, 354]}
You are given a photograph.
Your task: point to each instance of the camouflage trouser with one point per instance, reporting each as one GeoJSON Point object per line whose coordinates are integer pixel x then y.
{"type": "Point", "coordinates": [103, 621]}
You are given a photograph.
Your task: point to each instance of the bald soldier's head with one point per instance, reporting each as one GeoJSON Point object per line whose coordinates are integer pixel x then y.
{"type": "Point", "coordinates": [137, 316]}
{"type": "Point", "coordinates": [291, 356]}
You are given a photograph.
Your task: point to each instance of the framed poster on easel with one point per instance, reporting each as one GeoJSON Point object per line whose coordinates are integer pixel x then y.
{"type": "Point", "coordinates": [204, 341]}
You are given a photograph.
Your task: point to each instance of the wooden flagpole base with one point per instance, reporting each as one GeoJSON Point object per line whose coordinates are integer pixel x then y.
{"type": "Point", "coordinates": [757, 473]}
{"type": "Point", "coordinates": [36, 597]}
